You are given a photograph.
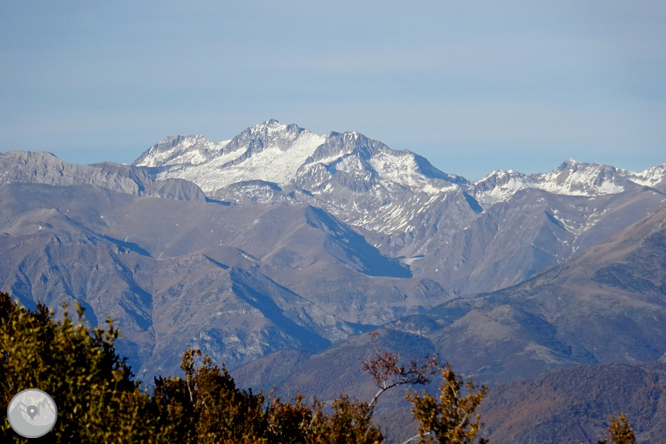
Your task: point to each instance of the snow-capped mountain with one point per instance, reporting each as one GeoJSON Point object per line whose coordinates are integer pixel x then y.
{"type": "Point", "coordinates": [179, 150]}
{"type": "Point", "coordinates": [297, 234]}
{"type": "Point", "coordinates": [654, 177]}
{"type": "Point", "coordinates": [408, 209]}
{"type": "Point", "coordinates": [285, 155]}
{"type": "Point", "coordinates": [397, 199]}
{"type": "Point", "coordinates": [290, 156]}
{"type": "Point", "coordinates": [269, 152]}
{"type": "Point", "coordinates": [359, 180]}
{"type": "Point", "coordinates": [571, 178]}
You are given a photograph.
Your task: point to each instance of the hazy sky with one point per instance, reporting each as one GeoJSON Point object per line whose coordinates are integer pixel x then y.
{"type": "Point", "coordinates": [471, 85]}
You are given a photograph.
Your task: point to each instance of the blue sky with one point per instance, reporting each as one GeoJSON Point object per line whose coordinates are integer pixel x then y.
{"type": "Point", "coordinates": [472, 85]}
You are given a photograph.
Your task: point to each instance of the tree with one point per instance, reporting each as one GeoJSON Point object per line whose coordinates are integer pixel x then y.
{"type": "Point", "coordinates": [387, 373]}
{"type": "Point", "coordinates": [92, 386]}
{"type": "Point", "coordinates": [451, 418]}
{"type": "Point", "coordinates": [620, 431]}
{"type": "Point", "coordinates": [206, 407]}
{"type": "Point", "coordinates": [351, 422]}
{"type": "Point", "coordinates": [295, 422]}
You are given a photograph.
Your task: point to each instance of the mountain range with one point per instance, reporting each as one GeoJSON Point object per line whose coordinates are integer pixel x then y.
{"type": "Point", "coordinates": [606, 305]}
{"type": "Point", "coordinates": [275, 250]}
{"type": "Point", "coordinates": [409, 210]}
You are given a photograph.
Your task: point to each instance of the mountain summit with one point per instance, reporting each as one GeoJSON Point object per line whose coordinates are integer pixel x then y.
{"type": "Point", "coordinates": [288, 155]}
{"type": "Point", "coordinates": [404, 205]}
{"type": "Point", "coordinates": [294, 234]}
{"type": "Point", "coordinates": [299, 241]}
{"type": "Point", "coordinates": [284, 154]}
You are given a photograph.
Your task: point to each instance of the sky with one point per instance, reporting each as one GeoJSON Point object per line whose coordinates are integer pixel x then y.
{"type": "Point", "coordinates": [470, 85]}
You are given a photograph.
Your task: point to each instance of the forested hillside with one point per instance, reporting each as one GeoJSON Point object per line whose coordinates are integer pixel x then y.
{"type": "Point", "coordinates": [99, 400]}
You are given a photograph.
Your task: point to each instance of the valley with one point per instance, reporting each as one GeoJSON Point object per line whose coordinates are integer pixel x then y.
{"type": "Point", "coordinates": [277, 250]}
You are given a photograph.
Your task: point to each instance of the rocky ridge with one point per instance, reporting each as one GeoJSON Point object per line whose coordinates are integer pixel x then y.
{"type": "Point", "coordinates": [300, 241]}
{"type": "Point", "coordinates": [45, 168]}
{"type": "Point", "coordinates": [409, 209]}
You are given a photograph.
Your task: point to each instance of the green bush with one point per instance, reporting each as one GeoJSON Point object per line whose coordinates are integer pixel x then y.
{"type": "Point", "coordinates": [99, 401]}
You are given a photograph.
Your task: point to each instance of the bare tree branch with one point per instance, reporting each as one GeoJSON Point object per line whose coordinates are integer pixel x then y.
{"type": "Point", "coordinates": [387, 373]}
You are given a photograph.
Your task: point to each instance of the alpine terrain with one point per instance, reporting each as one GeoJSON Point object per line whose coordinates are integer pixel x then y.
{"type": "Point", "coordinates": [276, 250]}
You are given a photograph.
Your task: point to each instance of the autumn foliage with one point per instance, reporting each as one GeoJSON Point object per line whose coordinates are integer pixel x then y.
{"type": "Point", "coordinates": [99, 401]}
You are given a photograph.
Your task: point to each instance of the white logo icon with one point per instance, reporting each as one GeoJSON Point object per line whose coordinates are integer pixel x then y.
{"type": "Point", "coordinates": [32, 413]}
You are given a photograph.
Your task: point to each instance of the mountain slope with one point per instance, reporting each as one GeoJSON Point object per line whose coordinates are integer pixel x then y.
{"type": "Point", "coordinates": [45, 168]}
{"type": "Point", "coordinates": [574, 404]}
{"type": "Point", "coordinates": [440, 225]}
{"type": "Point", "coordinates": [238, 282]}
{"type": "Point", "coordinates": [334, 234]}
{"type": "Point", "coordinates": [606, 305]}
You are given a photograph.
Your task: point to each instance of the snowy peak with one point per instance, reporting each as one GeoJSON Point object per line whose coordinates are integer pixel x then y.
{"type": "Point", "coordinates": [268, 135]}
{"type": "Point", "coordinates": [289, 155]}
{"type": "Point", "coordinates": [498, 178]}
{"type": "Point", "coordinates": [283, 154]}
{"type": "Point", "coordinates": [499, 186]}
{"type": "Point", "coordinates": [270, 152]}
{"type": "Point", "coordinates": [178, 150]}
{"type": "Point", "coordinates": [409, 169]}
{"type": "Point", "coordinates": [571, 178]}
{"type": "Point", "coordinates": [352, 151]}
{"type": "Point", "coordinates": [196, 150]}
{"type": "Point", "coordinates": [337, 145]}
{"type": "Point", "coordinates": [652, 177]}
{"type": "Point", "coordinates": [583, 179]}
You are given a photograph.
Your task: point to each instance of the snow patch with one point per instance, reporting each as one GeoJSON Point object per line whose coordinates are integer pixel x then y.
{"type": "Point", "coordinates": [401, 169]}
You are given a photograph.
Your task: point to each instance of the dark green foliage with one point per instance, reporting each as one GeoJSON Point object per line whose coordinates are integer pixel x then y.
{"type": "Point", "coordinates": [298, 422]}
{"type": "Point", "coordinates": [206, 407]}
{"type": "Point", "coordinates": [350, 423]}
{"type": "Point", "coordinates": [449, 418]}
{"type": "Point", "coordinates": [98, 401]}
{"type": "Point", "coordinates": [91, 385]}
